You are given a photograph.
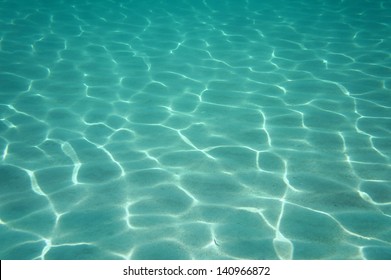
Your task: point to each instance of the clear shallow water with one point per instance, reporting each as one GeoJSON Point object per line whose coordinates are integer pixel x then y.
{"type": "Point", "coordinates": [195, 129]}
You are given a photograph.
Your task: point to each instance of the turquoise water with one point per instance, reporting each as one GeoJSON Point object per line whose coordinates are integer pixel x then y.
{"type": "Point", "coordinates": [195, 129]}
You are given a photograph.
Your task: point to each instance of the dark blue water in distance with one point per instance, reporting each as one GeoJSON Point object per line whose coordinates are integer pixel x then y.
{"type": "Point", "coordinates": [195, 129]}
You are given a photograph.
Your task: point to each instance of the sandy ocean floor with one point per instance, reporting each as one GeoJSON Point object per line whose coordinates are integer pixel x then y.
{"type": "Point", "coordinates": [195, 129]}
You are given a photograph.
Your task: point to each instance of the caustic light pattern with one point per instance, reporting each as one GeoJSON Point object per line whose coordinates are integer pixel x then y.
{"type": "Point", "coordinates": [195, 129]}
